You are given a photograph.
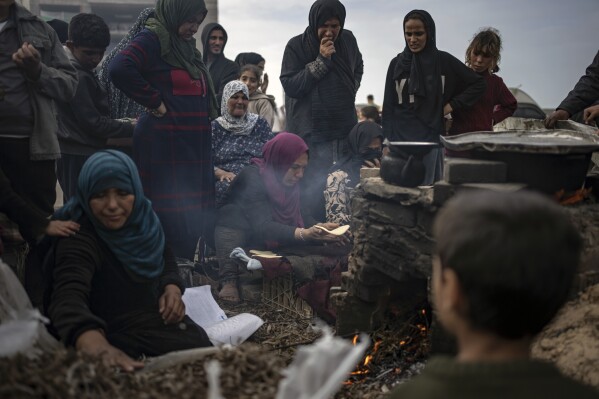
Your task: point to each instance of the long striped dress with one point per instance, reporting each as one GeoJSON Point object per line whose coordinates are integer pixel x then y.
{"type": "Point", "coordinates": [173, 153]}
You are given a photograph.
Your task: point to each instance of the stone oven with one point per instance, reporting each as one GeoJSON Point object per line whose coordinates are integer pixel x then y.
{"type": "Point", "coordinates": [391, 260]}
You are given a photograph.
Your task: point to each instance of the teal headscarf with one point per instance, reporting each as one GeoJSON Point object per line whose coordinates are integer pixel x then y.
{"type": "Point", "coordinates": [170, 15]}
{"type": "Point", "coordinates": [139, 244]}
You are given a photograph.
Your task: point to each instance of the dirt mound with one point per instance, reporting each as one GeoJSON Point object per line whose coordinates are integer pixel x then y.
{"type": "Point", "coordinates": [571, 341]}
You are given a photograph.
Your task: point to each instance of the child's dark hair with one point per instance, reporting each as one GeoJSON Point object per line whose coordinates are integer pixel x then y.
{"type": "Point", "coordinates": [515, 256]}
{"type": "Point", "coordinates": [252, 68]}
{"type": "Point", "coordinates": [89, 30]}
{"type": "Point", "coordinates": [371, 112]}
{"type": "Point", "coordinates": [488, 42]}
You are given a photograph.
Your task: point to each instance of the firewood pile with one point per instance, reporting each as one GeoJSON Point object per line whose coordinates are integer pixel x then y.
{"type": "Point", "coordinates": [252, 370]}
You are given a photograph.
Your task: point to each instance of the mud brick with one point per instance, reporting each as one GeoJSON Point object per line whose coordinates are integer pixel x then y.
{"type": "Point", "coordinates": [369, 172]}
{"type": "Point", "coordinates": [367, 293]}
{"type": "Point", "coordinates": [460, 170]}
{"type": "Point", "coordinates": [354, 315]}
{"type": "Point", "coordinates": [393, 214]}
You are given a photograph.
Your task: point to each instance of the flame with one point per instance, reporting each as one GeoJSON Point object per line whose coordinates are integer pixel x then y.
{"type": "Point", "coordinates": [355, 340]}
{"type": "Point", "coordinates": [570, 199]}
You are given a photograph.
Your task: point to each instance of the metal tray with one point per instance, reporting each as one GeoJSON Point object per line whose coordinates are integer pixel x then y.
{"type": "Point", "coordinates": [546, 141]}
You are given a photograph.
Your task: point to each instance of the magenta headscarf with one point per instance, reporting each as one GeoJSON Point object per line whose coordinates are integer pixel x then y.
{"type": "Point", "coordinates": [278, 154]}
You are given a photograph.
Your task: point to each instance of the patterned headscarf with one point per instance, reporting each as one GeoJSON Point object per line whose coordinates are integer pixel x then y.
{"type": "Point", "coordinates": [122, 106]}
{"type": "Point", "coordinates": [139, 244]}
{"type": "Point", "coordinates": [241, 126]}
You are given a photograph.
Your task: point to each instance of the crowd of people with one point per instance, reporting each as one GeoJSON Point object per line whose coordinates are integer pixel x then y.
{"type": "Point", "coordinates": [209, 166]}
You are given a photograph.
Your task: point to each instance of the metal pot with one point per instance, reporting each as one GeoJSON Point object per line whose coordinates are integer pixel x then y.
{"type": "Point", "coordinates": [403, 165]}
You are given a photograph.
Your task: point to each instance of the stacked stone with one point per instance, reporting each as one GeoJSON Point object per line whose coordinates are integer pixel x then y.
{"type": "Point", "coordinates": [391, 258]}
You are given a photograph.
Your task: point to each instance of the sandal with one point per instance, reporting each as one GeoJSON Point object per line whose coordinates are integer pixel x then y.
{"type": "Point", "coordinates": [229, 293]}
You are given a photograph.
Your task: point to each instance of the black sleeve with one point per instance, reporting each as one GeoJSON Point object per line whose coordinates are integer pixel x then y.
{"type": "Point", "coordinates": [31, 221]}
{"type": "Point", "coordinates": [586, 91]}
{"type": "Point", "coordinates": [77, 258]}
{"type": "Point", "coordinates": [170, 274]}
{"type": "Point", "coordinates": [298, 78]}
{"type": "Point", "coordinates": [389, 101]}
{"type": "Point", "coordinates": [256, 207]}
{"type": "Point", "coordinates": [88, 118]}
{"type": "Point", "coordinates": [469, 86]}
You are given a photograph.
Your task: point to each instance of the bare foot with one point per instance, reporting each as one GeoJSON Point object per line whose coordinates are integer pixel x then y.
{"type": "Point", "coordinates": [229, 293]}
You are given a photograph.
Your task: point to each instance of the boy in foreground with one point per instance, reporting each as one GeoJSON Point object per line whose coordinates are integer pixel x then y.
{"type": "Point", "coordinates": [503, 267]}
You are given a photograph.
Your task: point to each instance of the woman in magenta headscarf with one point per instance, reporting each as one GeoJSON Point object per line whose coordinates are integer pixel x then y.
{"type": "Point", "coordinates": [263, 209]}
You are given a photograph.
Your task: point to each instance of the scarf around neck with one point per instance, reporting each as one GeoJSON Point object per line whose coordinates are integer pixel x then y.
{"type": "Point", "coordinates": [139, 244]}
{"type": "Point", "coordinates": [241, 126]}
{"type": "Point", "coordinates": [424, 73]}
{"type": "Point", "coordinates": [358, 140]}
{"type": "Point", "coordinates": [278, 154]}
{"type": "Point", "coordinates": [169, 15]}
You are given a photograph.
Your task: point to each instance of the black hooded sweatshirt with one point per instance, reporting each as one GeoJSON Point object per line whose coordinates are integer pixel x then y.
{"type": "Point", "coordinates": [222, 70]}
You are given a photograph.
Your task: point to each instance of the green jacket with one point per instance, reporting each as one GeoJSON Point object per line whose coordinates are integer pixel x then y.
{"type": "Point", "coordinates": [57, 81]}
{"type": "Point", "coordinates": [444, 377]}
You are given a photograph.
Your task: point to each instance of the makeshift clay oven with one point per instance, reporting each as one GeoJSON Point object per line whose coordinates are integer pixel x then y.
{"type": "Point", "coordinates": [403, 165]}
{"type": "Point", "coordinates": [548, 160]}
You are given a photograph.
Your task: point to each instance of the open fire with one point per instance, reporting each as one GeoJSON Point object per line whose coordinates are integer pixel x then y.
{"type": "Point", "coordinates": [391, 355]}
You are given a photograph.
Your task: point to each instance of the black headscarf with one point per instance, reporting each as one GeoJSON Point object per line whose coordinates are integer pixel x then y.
{"type": "Point", "coordinates": [337, 90]}
{"type": "Point", "coordinates": [359, 139]}
{"type": "Point", "coordinates": [425, 76]}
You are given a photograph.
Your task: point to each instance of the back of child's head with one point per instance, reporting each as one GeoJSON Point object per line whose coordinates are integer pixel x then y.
{"type": "Point", "coordinates": [488, 42]}
{"type": "Point", "coordinates": [515, 256]}
{"type": "Point", "coordinates": [371, 112]}
{"type": "Point", "coordinates": [251, 68]}
{"type": "Point", "coordinates": [89, 30]}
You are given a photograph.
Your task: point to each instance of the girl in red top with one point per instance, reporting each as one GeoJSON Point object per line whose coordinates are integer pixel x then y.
{"type": "Point", "coordinates": [497, 103]}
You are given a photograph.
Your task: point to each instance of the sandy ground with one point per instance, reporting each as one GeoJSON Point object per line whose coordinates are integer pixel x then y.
{"type": "Point", "coordinates": [571, 341]}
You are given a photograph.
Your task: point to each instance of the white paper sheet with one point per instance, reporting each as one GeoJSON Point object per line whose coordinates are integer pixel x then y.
{"type": "Point", "coordinates": [201, 307]}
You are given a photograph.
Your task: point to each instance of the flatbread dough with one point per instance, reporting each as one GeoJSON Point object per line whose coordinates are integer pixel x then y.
{"type": "Point", "coordinates": [264, 254]}
{"type": "Point", "coordinates": [339, 231]}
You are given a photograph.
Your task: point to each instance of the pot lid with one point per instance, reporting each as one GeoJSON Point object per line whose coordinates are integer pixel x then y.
{"type": "Point", "coordinates": [546, 141]}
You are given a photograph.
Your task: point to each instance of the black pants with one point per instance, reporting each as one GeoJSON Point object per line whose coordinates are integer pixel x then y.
{"type": "Point", "coordinates": [147, 335]}
{"type": "Point", "coordinates": [35, 183]}
{"type": "Point", "coordinates": [226, 240]}
{"type": "Point", "coordinates": [68, 168]}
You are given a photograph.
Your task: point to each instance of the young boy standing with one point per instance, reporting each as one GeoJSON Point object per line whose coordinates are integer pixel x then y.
{"type": "Point", "coordinates": [85, 123]}
{"type": "Point", "coordinates": [504, 266]}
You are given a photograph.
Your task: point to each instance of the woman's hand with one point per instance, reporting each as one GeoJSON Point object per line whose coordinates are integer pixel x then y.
{"type": "Point", "coordinates": [447, 109]}
{"type": "Point", "coordinates": [170, 305]}
{"type": "Point", "coordinates": [223, 175]}
{"type": "Point", "coordinates": [264, 85]}
{"type": "Point", "coordinates": [160, 111]}
{"type": "Point", "coordinates": [373, 163]}
{"type": "Point", "coordinates": [62, 228]}
{"type": "Point", "coordinates": [94, 343]}
{"type": "Point", "coordinates": [315, 234]}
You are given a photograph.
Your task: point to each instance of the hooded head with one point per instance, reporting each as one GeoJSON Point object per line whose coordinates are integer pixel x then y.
{"type": "Point", "coordinates": [323, 10]}
{"type": "Point", "coordinates": [217, 48]}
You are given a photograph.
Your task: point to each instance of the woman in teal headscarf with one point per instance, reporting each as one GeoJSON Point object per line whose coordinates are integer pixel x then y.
{"type": "Point", "coordinates": [116, 291]}
{"type": "Point", "coordinates": [162, 70]}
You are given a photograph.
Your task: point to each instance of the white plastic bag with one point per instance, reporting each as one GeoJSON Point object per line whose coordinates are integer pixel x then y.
{"type": "Point", "coordinates": [21, 326]}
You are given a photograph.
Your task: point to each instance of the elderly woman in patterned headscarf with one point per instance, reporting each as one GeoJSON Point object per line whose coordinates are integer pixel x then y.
{"type": "Point", "coordinates": [162, 70]}
{"type": "Point", "coordinates": [237, 136]}
{"type": "Point", "coordinates": [116, 290]}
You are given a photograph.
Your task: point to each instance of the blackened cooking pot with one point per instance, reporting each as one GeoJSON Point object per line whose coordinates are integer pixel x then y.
{"type": "Point", "coordinates": [403, 165]}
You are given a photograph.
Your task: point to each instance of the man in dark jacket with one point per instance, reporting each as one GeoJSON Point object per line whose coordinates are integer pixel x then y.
{"type": "Point", "coordinates": [35, 72]}
{"type": "Point", "coordinates": [321, 73]}
{"type": "Point", "coordinates": [222, 70]}
{"type": "Point", "coordinates": [584, 99]}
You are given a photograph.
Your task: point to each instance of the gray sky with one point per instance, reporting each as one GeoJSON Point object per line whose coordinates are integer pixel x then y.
{"type": "Point", "coordinates": [547, 44]}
